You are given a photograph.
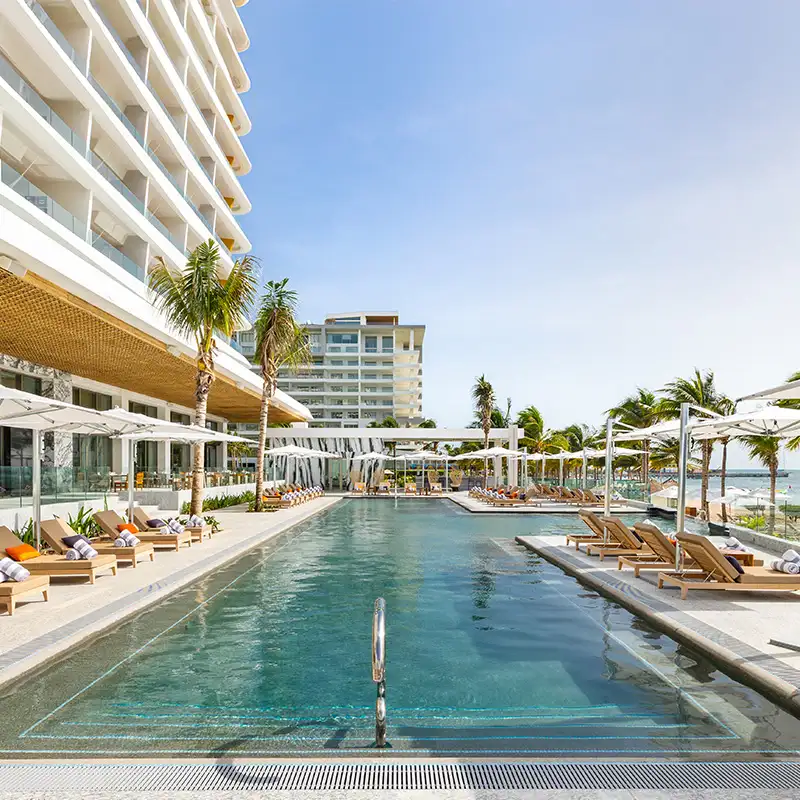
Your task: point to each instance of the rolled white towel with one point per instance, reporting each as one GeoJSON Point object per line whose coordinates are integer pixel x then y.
{"type": "Point", "coordinates": [787, 567]}
{"type": "Point", "coordinates": [119, 543]}
{"type": "Point", "coordinates": [4, 577]}
{"type": "Point", "coordinates": [72, 555]}
{"type": "Point", "coordinates": [792, 556]}
{"type": "Point", "coordinates": [166, 530]}
{"type": "Point", "coordinates": [732, 543]}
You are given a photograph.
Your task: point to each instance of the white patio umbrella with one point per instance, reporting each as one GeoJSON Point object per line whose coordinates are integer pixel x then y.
{"type": "Point", "coordinates": [186, 434]}
{"type": "Point", "coordinates": [373, 456]}
{"type": "Point", "coordinates": [768, 421]}
{"type": "Point", "coordinates": [39, 414]}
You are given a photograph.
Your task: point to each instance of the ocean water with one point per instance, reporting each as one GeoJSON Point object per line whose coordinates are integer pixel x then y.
{"type": "Point", "coordinates": [788, 485]}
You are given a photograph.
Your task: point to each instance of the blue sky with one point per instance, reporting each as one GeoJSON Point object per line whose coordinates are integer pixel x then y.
{"type": "Point", "coordinates": [576, 197]}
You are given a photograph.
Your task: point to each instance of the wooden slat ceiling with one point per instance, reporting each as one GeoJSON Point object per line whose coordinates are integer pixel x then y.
{"type": "Point", "coordinates": [42, 323]}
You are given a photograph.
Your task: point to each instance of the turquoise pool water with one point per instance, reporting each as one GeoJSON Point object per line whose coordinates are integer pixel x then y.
{"type": "Point", "coordinates": [490, 651]}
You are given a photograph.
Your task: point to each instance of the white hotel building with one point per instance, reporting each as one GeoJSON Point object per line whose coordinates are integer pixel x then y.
{"type": "Point", "coordinates": [365, 367]}
{"type": "Point", "coordinates": [120, 126]}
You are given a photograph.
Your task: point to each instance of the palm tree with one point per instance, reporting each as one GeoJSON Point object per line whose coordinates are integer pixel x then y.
{"type": "Point", "coordinates": [794, 442]}
{"type": "Point", "coordinates": [386, 422]}
{"type": "Point", "coordinates": [199, 303]}
{"type": "Point", "coordinates": [483, 397]}
{"type": "Point", "coordinates": [700, 391]}
{"type": "Point", "coordinates": [666, 455]}
{"type": "Point", "coordinates": [427, 423]}
{"type": "Point", "coordinates": [639, 410]}
{"type": "Point", "coordinates": [766, 449]}
{"type": "Point", "coordinates": [238, 451]}
{"type": "Point", "coordinates": [280, 341]}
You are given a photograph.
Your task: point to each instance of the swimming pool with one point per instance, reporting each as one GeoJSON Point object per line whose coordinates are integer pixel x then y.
{"type": "Point", "coordinates": [490, 651]}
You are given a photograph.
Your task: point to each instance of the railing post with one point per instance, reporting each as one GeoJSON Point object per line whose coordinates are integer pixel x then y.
{"type": "Point", "coordinates": [379, 669]}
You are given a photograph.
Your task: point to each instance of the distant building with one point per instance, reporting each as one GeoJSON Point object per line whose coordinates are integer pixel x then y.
{"type": "Point", "coordinates": [366, 367]}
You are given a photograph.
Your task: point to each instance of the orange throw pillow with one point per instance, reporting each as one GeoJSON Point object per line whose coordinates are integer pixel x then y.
{"type": "Point", "coordinates": [22, 552]}
{"type": "Point", "coordinates": [128, 526]}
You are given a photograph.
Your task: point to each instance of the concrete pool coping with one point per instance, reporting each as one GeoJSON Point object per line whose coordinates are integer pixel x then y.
{"type": "Point", "coordinates": [778, 681]}
{"type": "Point", "coordinates": [132, 591]}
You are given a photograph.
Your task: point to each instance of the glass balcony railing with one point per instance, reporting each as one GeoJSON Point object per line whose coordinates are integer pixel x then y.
{"type": "Point", "coordinates": [115, 181]}
{"type": "Point", "coordinates": [34, 195]}
{"type": "Point", "coordinates": [161, 227]}
{"type": "Point", "coordinates": [118, 39]}
{"type": "Point", "coordinates": [53, 30]}
{"type": "Point", "coordinates": [63, 128]}
{"type": "Point", "coordinates": [40, 106]}
{"type": "Point", "coordinates": [119, 113]}
{"type": "Point", "coordinates": [118, 257]}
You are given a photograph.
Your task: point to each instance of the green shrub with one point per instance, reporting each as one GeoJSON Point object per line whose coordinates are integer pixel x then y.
{"type": "Point", "coordinates": [26, 534]}
{"type": "Point", "coordinates": [214, 503]}
{"type": "Point", "coordinates": [83, 523]}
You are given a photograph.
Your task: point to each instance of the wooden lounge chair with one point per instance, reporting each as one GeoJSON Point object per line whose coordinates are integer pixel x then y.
{"type": "Point", "coordinates": [54, 531]}
{"type": "Point", "coordinates": [620, 540]}
{"type": "Point", "coordinates": [57, 566]}
{"type": "Point", "coordinates": [384, 487]}
{"type": "Point", "coordinates": [713, 571]}
{"type": "Point", "coordinates": [595, 525]}
{"type": "Point", "coordinates": [436, 488]}
{"type": "Point", "coordinates": [276, 500]}
{"type": "Point", "coordinates": [108, 521]}
{"type": "Point", "coordinates": [198, 533]}
{"type": "Point", "coordinates": [661, 554]}
{"type": "Point", "coordinates": [359, 488]}
{"type": "Point", "coordinates": [411, 488]}
{"type": "Point", "coordinates": [12, 591]}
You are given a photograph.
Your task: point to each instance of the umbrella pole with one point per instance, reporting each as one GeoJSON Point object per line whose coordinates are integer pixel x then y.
{"type": "Point", "coordinates": [683, 456]}
{"type": "Point", "coordinates": [609, 464]}
{"type": "Point", "coordinates": [446, 477]}
{"type": "Point", "coordinates": [131, 451]}
{"type": "Point", "coordinates": [584, 470]}
{"type": "Point", "coordinates": [560, 471]}
{"type": "Point", "coordinates": [36, 486]}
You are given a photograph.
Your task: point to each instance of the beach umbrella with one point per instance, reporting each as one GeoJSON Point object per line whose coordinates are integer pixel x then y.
{"type": "Point", "coordinates": [373, 456]}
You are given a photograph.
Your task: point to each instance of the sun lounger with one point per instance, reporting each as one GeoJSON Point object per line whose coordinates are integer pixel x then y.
{"type": "Point", "coordinates": [411, 488]}
{"type": "Point", "coordinates": [108, 521]}
{"type": "Point", "coordinates": [13, 591]}
{"type": "Point", "coordinates": [58, 566]}
{"type": "Point", "coordinates": [384, 487]}
{"type": "Point", "coordinates": [660, 554]}
{"type": "Point", "coordinates": [595, 525]}
{"type": "Point", "coordinates": [711, 570]}
{"type": "Point", "coordinates": [198, 533]}
{"type": "Point", "coordinates": [620, 541]}
{"type": "Point", "coordinates": [54, 530]}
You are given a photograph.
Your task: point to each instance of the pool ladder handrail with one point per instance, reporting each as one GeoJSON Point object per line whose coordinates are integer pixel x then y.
{"type": "Point", "coordinates": [379, 669]}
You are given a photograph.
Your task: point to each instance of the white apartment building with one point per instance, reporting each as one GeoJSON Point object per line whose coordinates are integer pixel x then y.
{"type": "Point", "coordinates": [120, 126]}
{"type": "Point", "coordinates": [366, 367]}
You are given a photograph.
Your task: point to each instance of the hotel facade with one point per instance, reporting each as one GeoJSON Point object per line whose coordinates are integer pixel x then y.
{"type": "Point", "coordinates": [120, 126]}
{"type": "Point", "coordinates": [365, 367]}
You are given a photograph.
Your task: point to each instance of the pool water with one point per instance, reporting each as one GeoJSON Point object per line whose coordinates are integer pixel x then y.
{"type": "Point", "coordinates": [490, 651]}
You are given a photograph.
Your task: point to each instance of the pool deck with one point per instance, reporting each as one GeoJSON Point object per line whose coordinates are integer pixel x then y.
{"type": "Point", "coordinates": [39, 631]}
{"type": "Point", "coordinates": [733, 629]}
{"type": "Point", "coordinates": [476, 506]}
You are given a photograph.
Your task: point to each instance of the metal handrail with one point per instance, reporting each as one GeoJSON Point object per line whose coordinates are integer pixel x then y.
{"type": "Point", "coordinates": [379, 669]}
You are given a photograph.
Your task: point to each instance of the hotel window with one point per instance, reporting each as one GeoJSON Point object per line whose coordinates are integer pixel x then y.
{"type": "Point", "coordinates": [91, 453]}
{"type": "Point", "coordinates": [337, 376]}
{"type": "Point", "coordinates": [146, 458]}
{"type": "Point", "coordinates": [352, 376]}
{"type": "Point", "coordinates": [387, 344]}
{"type": "Point", "coordinates": [370, 376]}
{"type": "Point", "coordinates": [371, 344]}
{"type": "Point", "coordinates": [342, 338]}
{"type": "Point", "coordinates": [370, 363]}
{"type": "Point", "coordinates": [337, 362]}
{"type": "Point", "coordinates": [141, 408]}
{"type": "Point", "coordinates": [180, 419]}
{"type": "Point", "coordinates": [89, 399]}
{"type": "Point", "coordinates": [387, 364]}
{"type": "Point", "coordinates": [352, 415]}
{"type": "Point", "coordinates": [336, 414]}
{"type": "Point", "coordinates": [352, 362]}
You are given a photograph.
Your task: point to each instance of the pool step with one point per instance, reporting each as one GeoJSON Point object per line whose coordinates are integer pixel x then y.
{"type": "Point", "coordinates": [189, 729]}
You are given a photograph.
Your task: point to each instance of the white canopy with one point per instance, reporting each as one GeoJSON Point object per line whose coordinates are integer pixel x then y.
{"type": "Point", "coordinates": [496, 452]}
{"type": "Point", "coordinates": [293, 451]}
{"type": "Point", "coordinates": [769, 421]}
{"type": "Point", "coordinates": [373, 456]}
{"type": "Point", "coordinates": [669, 427]}
{"type": "Point", "coordinates": [786, 391]}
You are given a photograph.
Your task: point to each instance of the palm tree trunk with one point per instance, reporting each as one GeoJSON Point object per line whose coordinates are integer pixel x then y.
{"type": "Point", "coordinates": [203, 381]}
{"type": "Point", "coordinates": [262, 446]}
{"type": "Point", "coordinates": [485, 460]}
{"type": "Point", "coordinates": [722, 477]}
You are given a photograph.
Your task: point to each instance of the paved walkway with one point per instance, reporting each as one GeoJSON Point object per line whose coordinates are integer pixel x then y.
{"type": "Point", "coordinates": [740, 623]}
{"type": "Point", "coordinates": [479, 507]}
{"type": "Point", "coordinates": [75, 610]}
